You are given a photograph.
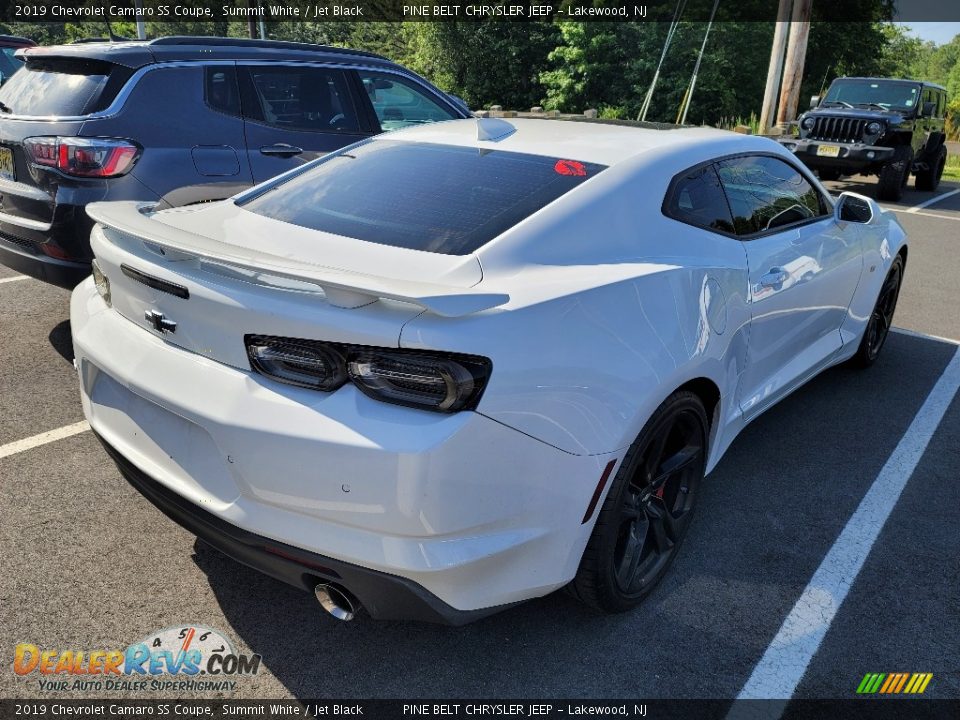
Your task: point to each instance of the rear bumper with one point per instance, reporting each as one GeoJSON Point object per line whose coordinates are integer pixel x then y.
{"type": "Point", "coordinates": [465, 511]}
{"type": "Point", "coordinates": [853, 156]}
{"type": "Point", "coordinates": [25, 259]}
{"type": "Point", "coordinates": [385, 597]}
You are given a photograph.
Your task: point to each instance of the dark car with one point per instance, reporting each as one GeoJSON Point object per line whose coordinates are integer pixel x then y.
{"type": "Point", "coordinates": [9, 62]}
{"type": "Point", "coordinates": [876, 126]}
{"type": "Point", "coordinates": [176, 121]}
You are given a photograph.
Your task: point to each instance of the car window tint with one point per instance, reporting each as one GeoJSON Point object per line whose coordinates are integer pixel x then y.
{"type": "Point", "coordinates": [302, 98]}
{"type": "Point", "coordinates": [220, 89]}
{"type": "Point", "coordinates": [399, 103]}
{"type": "Point", "coordinates": [59, 87]}
{"type": "Point", "coordinates": [766, 193]}
{"type": "Point", "coordinates": [697, 198]}
{"type": "Point", "coordinates": [438, 198]}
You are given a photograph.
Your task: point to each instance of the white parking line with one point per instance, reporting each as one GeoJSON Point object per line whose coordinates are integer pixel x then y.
{"type": "Point", "coordinates": [18, 446]}
{"type": "Point", "coordinates": [924, 336]}
{"type": "Point", "coordinates": [921, 213]}
{"type": "Point", "coordinates": [14, 278]}
{"type": "Point", "coordinates": [931, 201]}
{"type": "Point", "coordinates": [786, 659]}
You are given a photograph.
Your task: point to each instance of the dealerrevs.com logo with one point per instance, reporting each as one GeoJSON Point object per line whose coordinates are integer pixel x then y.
{"type": "Point", "coordinates": [185, 658]}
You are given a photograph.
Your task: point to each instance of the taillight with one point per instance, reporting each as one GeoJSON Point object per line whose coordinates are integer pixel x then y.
{"type": "Point", "coordinates": [441, 382]}
{"type": "Point", "coordinates": [84, 157]}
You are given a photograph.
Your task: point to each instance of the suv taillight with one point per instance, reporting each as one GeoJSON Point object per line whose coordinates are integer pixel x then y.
{"type": "Point", "coordinates": [83, 157]}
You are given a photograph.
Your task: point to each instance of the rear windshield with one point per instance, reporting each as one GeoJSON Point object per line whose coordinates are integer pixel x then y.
{"type": "Point", "coordinates": [57, 87]}
{"type": "Point", "coordinates": [438, 198]}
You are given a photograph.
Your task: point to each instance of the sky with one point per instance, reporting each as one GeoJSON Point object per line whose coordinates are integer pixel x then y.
{"type": "Point", "coordinates": [938, 32]}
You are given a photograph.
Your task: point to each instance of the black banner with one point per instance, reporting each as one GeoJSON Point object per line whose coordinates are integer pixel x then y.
{"type": "Point", "coordinates": [75, 11]}
{"type": "Point", "coordinates": [853, 709]}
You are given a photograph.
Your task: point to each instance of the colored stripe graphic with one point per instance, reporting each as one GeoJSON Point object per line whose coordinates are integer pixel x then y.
{"type": "Point", "coordinates": [894, 683]}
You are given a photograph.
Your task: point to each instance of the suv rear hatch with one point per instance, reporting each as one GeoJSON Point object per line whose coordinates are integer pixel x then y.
{"type": "Point", "coordinates": [57, 89]}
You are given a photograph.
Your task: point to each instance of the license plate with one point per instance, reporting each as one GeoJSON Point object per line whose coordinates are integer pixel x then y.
{"type": "Point", "coordinates": [6, 164]}
{"type": "Point", "coordinates": [828, 150]}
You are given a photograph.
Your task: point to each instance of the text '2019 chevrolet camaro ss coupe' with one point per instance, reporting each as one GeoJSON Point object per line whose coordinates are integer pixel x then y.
{"type": "Point", "coordinates": [462, 365]}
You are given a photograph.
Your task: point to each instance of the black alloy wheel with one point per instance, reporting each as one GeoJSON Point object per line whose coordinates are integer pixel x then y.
{"type": "Point", "coordinates": [881, 319]}
{"type": "Point", "coordinates": [648, 510]}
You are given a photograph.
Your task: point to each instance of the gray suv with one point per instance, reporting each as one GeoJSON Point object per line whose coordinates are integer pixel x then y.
{"type": "Point", "coordinates": [876, 126]}
{"type": "Point", "coordinates": [175, 121]}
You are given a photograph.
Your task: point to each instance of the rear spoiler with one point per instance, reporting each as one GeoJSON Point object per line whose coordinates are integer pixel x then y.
{"type": "Point", "coordinates": [342, 288]}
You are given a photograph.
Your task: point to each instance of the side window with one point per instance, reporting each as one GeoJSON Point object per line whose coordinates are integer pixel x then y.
{"type": "Point", "coordinates": [399, 102]}
{"type": "Point", "coordinates": [220, 90]}
{"type": "Point", "coordinates": [767, 193]}
{"type": "Point", "coordinates": [299, 98]}
{"type": "Point", "coordinates": [697, 199]}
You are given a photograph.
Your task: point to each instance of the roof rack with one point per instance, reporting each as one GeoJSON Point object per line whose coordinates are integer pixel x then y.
{"type": "Point", "coordinates": [253, 43]}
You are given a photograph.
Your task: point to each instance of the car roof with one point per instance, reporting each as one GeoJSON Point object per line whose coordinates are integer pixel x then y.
{"type": "Point", "coordinates": [926, 83]}
{"type": "Point", "coordinates": [595, 142]}
{"type": "Point", "coordinates": [137, 53]}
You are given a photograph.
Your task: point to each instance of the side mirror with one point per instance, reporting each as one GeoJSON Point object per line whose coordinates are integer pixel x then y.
{"type": "Point", "coordinates": [814, 101]}
{"type": "Point", "coordinates": [928, 109]}
{"type": "Point", "coordinates": [851, 207]}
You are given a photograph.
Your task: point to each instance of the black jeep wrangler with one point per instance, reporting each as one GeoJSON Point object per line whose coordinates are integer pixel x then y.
{"type": "Point", "coordinates": [875, 126]}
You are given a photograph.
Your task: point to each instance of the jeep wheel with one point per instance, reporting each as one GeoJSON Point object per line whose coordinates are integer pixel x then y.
{"type": "Point", "coordinates": [928, 180]}
{"type": "Point", "coordinates": [893, 175]}
{"type": "Point", "coordinates": [828, 174]}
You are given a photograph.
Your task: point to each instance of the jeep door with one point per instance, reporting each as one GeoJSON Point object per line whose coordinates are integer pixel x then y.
{"type": "Point", "coordinates": [803, 269]}
{"type": "Point", "coordinates": [294, 113]}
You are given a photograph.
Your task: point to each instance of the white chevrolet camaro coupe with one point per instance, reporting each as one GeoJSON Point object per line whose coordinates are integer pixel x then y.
{"type": "Point", "coordinates": [454, 367]}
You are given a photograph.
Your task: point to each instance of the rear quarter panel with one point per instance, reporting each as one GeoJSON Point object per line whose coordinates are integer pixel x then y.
{"type": "Point", "coordinates": [613, 307]}
{"type": "Point", "coordinates": [167, 115]}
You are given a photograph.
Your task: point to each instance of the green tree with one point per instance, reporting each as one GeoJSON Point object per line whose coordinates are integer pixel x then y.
{"type": "Point", "coordinates": [483, 62]}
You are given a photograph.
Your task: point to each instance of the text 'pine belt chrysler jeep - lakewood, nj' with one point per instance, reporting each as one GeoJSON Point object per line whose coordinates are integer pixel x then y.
{"type": "Point", "coordinates": [875, 126]}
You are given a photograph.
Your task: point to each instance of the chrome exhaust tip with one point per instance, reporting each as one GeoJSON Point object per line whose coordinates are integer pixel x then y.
{"type": "Point", "coordinates": [337, 601]}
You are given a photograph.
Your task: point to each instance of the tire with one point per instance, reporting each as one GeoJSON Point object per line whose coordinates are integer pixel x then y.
{"type": "Point", "coordinates": [878, 326]}
{"type": "Point", "coordinates": [828, 174]}
{"type": "Point", "coordinates": [894, 175]}
{"type": "Point", "coordinates": [928, 180]}
{"type": "Point", "coordinates": [653, 495]}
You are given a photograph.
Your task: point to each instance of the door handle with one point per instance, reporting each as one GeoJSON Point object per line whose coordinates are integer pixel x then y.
{"type": "Point", "coordinates": [774, 277]}
{"type": "Point", "coordinates": [280, 150]}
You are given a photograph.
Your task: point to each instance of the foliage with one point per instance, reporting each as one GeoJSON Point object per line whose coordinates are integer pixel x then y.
{"type": "Point", "coordinates": [483, 62]}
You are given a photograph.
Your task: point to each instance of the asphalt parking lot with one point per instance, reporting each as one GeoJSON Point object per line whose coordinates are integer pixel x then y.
{"type": "Point", "coordinates": [88, 563]}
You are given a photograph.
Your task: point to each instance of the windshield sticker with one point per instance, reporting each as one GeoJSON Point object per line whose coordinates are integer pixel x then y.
{"type": "Point", "coordinates": [570, 167]}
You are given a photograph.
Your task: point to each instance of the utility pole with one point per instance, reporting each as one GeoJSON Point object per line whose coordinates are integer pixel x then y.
{"type": "Point", "coordinates": [252, 21]}
{"type": "Point", "coordinates": [796, 55]}
{"type": "Point", "coordinates": [141, 25]}
{"type": "Point", "coordinates": [774, 72]}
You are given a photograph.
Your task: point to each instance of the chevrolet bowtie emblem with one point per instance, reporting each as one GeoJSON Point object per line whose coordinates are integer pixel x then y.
{"type": "Point", "coordinates": [159, 322]}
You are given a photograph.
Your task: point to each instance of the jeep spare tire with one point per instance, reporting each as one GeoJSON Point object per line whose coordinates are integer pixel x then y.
{"type": "Point", "coordinates": [894, 175]}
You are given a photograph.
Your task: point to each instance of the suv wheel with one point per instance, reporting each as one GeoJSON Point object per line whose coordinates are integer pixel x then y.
{"type": "Point", "coordinates": [648, 510]}
{"type": "Point", "coordinates": [828, 174]}
{"type": "Point", "coordinates": [893, 175]}
{"type": "Point", "coordinates": [928, 180]}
